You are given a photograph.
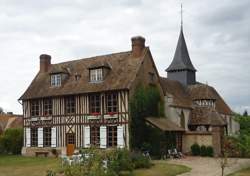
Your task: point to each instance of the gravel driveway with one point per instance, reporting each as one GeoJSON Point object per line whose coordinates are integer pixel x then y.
{"type": "Point", "coordinates": [202, 166]}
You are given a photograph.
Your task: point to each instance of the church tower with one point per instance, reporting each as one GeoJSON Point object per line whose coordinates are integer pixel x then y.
{"type": "Point", "coordinates": [181, 69]}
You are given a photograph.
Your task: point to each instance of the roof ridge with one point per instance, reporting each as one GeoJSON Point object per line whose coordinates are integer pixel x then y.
{"type": "Point", "coordinates": [92, 57]}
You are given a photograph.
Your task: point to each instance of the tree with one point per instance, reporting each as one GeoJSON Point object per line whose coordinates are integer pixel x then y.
{"type": "Point", "coordinates": [146, 102]}
{"type": "Point", "coordinates": [245, 114]}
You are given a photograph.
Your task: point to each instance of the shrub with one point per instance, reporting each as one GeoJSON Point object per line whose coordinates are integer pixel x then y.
{"type": "Point", "coordinates": [140, 161]}
{"type": "Point", "coordinates": [12, 141]}
{"type": "Point", "coordinates": [54, 152]}
{"type": "Point", "coordinates": [195, 149]}
{"type": "Point", "coordinates": [203, 150]}
{"type": "Point", "coordinates": [210, 151]}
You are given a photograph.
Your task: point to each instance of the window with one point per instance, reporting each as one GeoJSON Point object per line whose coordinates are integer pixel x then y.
{"type": "Point", "coordinates": [95, 136]}
{"type": "Point", "coordinates": [35, 108]}
{"type": "Point", "coordinates": [96, 75]}
{"type": "Point", "coordinates": [111, 102]}
{"type": "Point", "coordinates": [70, 138]}
{"type": "Point", "coordinates": [112, 136]}
{"type": "Point", "coordinates": [34, 137]}
{"type": "Point", "coordinates": [70, 105]}
{"type": "Point", "coordinates": [151, 77]}
{"type": "Point", "coordinates": [56, 80]}
{"type": "Point", "coordinates": [95, 103]}
{"type": "Point", "coordinates": [47, 107]}
{"type": "Point", "coordinates": [46, 137]}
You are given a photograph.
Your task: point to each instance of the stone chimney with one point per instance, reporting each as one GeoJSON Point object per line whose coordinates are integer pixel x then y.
{"type": "Point", "coordinates": [45, 62]}
{"type": "Point", "coordinates": [138, 44]}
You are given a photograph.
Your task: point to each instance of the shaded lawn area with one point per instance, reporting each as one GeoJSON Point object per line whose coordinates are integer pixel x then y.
{"type": "Point", "coordinates": [161, 168]}
{"type": "Point", "coordinates": [37, 166]}
{"type": "Point", "coordinates": [26, 166]}
{"type": "Point", "coordinates": [243, 172]}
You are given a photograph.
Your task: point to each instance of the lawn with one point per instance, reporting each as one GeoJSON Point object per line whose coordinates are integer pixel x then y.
{"type": "Point", "coordinates": [243, 172]}
{"type": "Point", "coordinates": [26, 166]}
{"type": "Point", "coordinates": [162, 168]}
{"type": "Point", "coordinates": [32, 166]}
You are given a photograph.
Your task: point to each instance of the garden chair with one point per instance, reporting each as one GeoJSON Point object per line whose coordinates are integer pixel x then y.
{"type": "Point", "coordinates": [170, 154]}
{"type": "Point", "coordinates": [176, 153]}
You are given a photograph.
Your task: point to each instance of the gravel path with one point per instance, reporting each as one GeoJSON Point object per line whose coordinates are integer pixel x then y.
{"type": "Point", "coordinates": [202, 166]}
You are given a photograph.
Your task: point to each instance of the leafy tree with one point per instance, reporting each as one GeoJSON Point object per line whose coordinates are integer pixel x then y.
{"type": "Point", "coordinates": [146, 102]}
{"type": "Point", "coordinates": [11, 141]}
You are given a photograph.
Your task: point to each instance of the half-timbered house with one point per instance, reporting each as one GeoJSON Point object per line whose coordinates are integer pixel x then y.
{"type": "Point", "coordinates": [83, 103]}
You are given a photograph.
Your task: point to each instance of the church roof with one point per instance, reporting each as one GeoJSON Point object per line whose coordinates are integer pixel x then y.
{"type": "Point", "coordinates": [206, 116]}
{"type": "Point", "coordinates": [181, 59]}
{"type": "Point", "coordinates": [183, 96]}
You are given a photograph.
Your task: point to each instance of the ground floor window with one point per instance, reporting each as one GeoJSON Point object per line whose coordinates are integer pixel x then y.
{"type": "Point", "coordinates": [46, 137]}
{"type": "Point", "coordinates": [95, 136]}
{"type": "Point", "coordinates": [71, 138]}
{"type": "Point", "coordinates": [112, 136]}
{"type": "Point", "coordinates": [34, 137]}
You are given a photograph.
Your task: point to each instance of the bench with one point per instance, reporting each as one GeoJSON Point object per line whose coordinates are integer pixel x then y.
{"type": "Point", "coordinates": [42, 153]}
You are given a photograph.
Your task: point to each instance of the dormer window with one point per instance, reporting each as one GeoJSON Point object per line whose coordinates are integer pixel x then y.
{"type": "Point", "coordinates": [56, 80]}
{"type": "Point", "coordinates": [96, 75]}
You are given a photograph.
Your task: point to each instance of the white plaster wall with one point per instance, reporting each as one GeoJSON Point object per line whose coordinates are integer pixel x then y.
{"type": "Point", "coordinates": [174, 113]}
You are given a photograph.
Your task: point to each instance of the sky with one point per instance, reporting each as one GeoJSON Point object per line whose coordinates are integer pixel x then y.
{"type": "Point", "coordinates": [217, 34]}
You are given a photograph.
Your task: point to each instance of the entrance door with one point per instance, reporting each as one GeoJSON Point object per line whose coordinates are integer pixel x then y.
{"type": "Point", "coordinates": [70, 142]}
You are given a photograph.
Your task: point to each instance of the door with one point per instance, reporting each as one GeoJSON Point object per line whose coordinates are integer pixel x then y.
{"type": "Point", "coordinates": [70, 139]}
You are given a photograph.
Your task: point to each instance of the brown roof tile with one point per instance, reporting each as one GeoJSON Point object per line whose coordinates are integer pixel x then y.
{"type": "Point", "coordinates": [164, 124]}
{"type": "Point", "coordinates": [203, 91]}
{"type": "Point", "coordinates": [206, 116]}
{"type": "Point", "coordinates": [178, 91]}
{"type": "Point", "coordinates": [123, 71]}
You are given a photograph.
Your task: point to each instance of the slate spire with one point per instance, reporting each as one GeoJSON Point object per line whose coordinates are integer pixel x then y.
{"type": "Point", "coordinates": [181, 59]}
{"type": "Point", "coordinates": [181, 67]}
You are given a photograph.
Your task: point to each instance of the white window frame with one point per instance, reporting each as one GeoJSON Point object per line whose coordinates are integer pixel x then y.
{"type": "Point", "coordinates": [56, 80]}
{"type": "Point", "coordinates": [96, 75]}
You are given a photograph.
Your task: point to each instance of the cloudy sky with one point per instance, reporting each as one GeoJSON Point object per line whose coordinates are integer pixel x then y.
{"type": "Point", "coordinates": [217, 34]}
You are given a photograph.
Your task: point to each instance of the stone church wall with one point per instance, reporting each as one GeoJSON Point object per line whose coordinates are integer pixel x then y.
{"type": "Point", "coordinates": [191, 138]}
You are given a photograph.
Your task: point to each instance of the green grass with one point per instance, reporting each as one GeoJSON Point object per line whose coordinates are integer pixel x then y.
{"type": "Point", "coordinates": [161, 168]}
{"type": "Point", "coordinates": [26, 166]}
{"type": "Point", "coordinates": [37, 166]}
{"type": "Point", "coordinates": [243, 172]}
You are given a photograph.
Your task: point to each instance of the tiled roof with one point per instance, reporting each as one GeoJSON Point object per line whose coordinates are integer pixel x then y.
{"type": "Point", "coordinates": [123, 69]}
{"type": "Point", "coordinates": [206, 116]}
{"type": "Point", "coordinates": [179, 92]}
{"type": "Point", "coordinates": [164, 124]}
{"type": "Point", "coordinates": [183, 96]}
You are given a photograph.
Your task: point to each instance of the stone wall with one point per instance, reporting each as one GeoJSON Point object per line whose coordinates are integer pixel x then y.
{"type": "Point", "coordinates": [191, 138]}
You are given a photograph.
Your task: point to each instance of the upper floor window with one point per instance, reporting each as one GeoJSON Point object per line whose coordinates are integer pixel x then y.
{"type": "Point", "coordinates": [47, 107]}
{"type": "Point", "coordinates": [35, 108]}
{"type": "Point", "coordinates": [96, 75]}
{"type": "Point", "coordinates": [95, 103]}
{"type": "Point", "coordinates": [111, 102]}
{"type": "Point", "coordinates": [70, 105]}
{"type": "Point", "coordinates": [56, 80]}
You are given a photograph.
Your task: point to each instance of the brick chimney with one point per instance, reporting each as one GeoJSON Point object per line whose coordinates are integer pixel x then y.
{"type": "Point", "coordinates": [138, 44]}
{"type": "Point", "coordinates": [45, 62]}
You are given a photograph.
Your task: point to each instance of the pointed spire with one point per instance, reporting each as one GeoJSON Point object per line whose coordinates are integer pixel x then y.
{"type": "Point", "coordinates": [181, 59]}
